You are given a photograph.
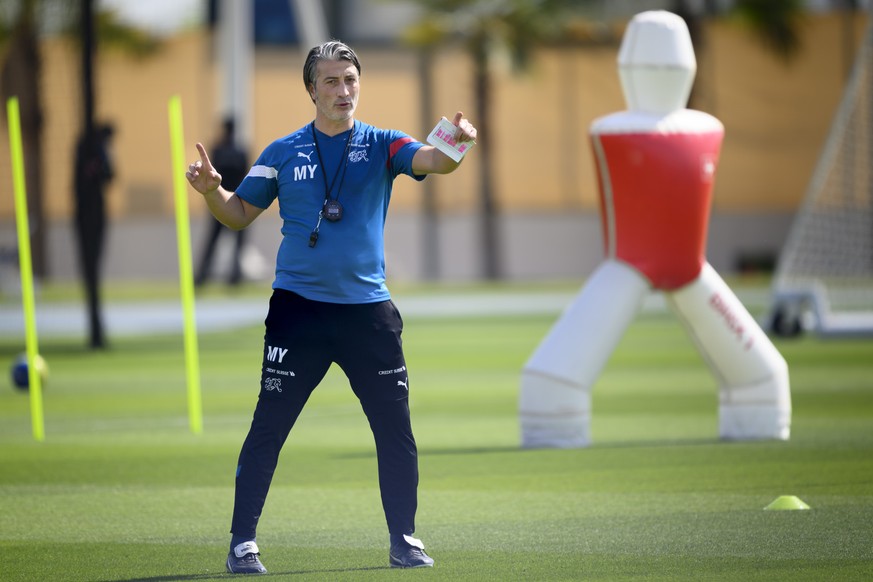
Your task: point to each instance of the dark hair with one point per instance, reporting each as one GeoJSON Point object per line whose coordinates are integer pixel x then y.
{"type": "Point", "coordinates": [333, 50]}
{"type": "Point", "coordinates": [228, 125]}
{"type": "Point", "coordinates": [106, 130]}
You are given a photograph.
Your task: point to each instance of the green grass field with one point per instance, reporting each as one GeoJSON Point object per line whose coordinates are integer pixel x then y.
{"type": "Point", "coordinates": [121, 490]}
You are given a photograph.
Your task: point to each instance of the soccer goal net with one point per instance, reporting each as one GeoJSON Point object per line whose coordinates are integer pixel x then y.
{"type": "Point", "coordinates": [824, 274]}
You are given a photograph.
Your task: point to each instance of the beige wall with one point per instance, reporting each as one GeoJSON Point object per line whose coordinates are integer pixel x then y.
{"type": "Point", "coordinates": [776, 117]}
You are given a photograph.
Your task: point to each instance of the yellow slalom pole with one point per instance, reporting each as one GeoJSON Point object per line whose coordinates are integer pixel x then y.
{"type": "Point", "coordinates": [37, 420]}
{"type": "Point", "coordinates": [186, 276]}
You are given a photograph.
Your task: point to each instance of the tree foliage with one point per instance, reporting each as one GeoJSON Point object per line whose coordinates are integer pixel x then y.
{"type": "Point", "coordinates": [774, 22]}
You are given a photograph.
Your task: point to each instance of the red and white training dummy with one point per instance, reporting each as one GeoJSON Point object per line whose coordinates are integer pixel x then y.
{"type": "Point", "coordinates": [656, 165]}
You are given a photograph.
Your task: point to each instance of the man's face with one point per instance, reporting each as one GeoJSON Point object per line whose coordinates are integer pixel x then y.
{"type": "Point", "coordinates": [336, 90]}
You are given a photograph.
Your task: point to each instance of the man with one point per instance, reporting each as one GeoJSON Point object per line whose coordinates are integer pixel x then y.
{"type": "Point", "coordinates": [333, 179]}
{"type": "Point", "coordinates": [231, 161]}
{"type": "Point", "coordinates": [93, 172]}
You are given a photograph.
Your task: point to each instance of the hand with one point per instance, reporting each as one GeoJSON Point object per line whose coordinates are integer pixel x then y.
{"type": "Point", "coordinates": [202, 175]}
{"type": "Point", "coordinates": [466, 131]}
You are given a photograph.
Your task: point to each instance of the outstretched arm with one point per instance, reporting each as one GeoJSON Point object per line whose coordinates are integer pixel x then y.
{"type": "Point", "coordinates": [227, 207]}
{"type": "Point", "coordinates": [429, 160]}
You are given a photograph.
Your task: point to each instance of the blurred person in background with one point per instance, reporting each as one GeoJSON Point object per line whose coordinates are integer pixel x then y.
{"type": "Point", "coordinates": [231, 161]}
{"type": "Point", "coordinates": [93, 172]}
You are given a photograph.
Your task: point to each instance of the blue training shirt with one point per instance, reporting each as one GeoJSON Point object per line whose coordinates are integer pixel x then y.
{"type": "Point", "coordinates": [347, 265]}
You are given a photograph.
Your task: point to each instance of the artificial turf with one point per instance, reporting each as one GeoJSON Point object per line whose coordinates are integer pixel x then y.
{"type": "Point", "coordinates": [121, 490]}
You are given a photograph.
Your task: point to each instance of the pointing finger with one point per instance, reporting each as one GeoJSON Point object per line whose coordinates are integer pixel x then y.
{"type": "Point", "coordinates": [203, 155]}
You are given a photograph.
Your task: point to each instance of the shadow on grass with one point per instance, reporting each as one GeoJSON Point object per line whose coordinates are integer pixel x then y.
{"type": "Point", "coordinates": [271, 573]}
{"type": "Point", "coordinates": [639, 444]}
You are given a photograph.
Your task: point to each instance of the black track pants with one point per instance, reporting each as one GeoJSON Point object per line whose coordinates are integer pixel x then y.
{"type": "Point", "coordinates": [302, 339]}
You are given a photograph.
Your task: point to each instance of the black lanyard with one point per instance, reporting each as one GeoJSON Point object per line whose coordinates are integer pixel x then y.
{"type": "Point", "coordinates": [331, 209]}
{"type": "Point", "coordinates": [329, 189]}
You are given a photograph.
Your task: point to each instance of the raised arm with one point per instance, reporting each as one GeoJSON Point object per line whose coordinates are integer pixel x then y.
{"type": "Point", "coordinates": [229, 209]}
{"type": "Point", "coordinates": [429, 160]}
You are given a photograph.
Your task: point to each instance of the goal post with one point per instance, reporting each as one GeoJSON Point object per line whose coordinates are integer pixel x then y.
{"type": "Point", "coordinates": [824, 274]}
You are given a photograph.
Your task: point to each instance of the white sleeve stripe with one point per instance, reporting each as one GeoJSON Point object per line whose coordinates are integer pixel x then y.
{"type": "Point", "coordinates": [263, 172]}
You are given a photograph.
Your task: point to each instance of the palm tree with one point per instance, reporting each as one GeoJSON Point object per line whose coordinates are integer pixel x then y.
{"type": "Point", "coordinates": [517, 27]}
{"type": "Point", "coordinates": [486, 28]}
{"type": "Point", "coordinates": [20, 75]}
{"type": "Point", "coordinates": [772, 22]}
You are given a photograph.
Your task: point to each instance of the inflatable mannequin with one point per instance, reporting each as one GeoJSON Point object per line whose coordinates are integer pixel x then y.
{"type": "Point", "coordinates": [656, 164]}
